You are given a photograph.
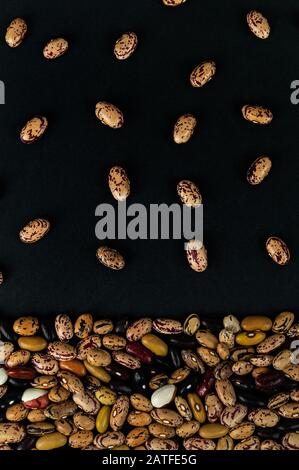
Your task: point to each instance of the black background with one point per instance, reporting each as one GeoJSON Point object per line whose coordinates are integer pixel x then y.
{"type": "Point", "coordinates": [63, 177]}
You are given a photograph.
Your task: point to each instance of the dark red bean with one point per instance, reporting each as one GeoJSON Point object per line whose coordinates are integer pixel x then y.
{"type": "Point", "coordinates": [206, 384]}
{"type": "Point", "coordinates": [269, 381]}
{"type": "Point", "coordinates": [138, 350]}
{"type": "Point", "coordinates": [22, 373]}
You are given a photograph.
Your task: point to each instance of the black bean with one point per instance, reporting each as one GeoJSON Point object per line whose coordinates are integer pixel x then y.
{"type": "Point", "coordinates": [155, 369]}
{"type": "Point", "coordinates": [141, 381]}
{"type": "Point", "coordinates": [164, 363]}
{"type": "Point", "coordinates": [6, 330]}
{"type": "Point", "coordinates": [183, 341]}
{"type": "Point", "coordinates": [268, 433]}
{"type": "Point", "coordinates": [211, 323]}
{"type": "Point", "coordinates": [48, 329]}
{"type": "Point", "coordinates": [2, 416]}
{"type": "Point", "coordinates": [189, 384]}
{"type": "Point", "coordinates": [117, 371]}
{"type": "Point", "coordinates": [120, 387]}
{"type": "Point", "coordinates": [176, 358]}
{"type": "Point", "coordinates": [252, 399]}
{"type": "Point", "coordinates": [289, 384]}
{"type": "Point", "coordinates": [121, 326]}
{"type": "Point", "coordinates": [288, 425]}
{"type": "Point", "coordinates": [19, 383]}
{"type": "Point", "coordinates": [243, 382]}
{"type": "Point", "coordinates": [12, 396]}
{"type": "Point", "coordinates": [26, 444]}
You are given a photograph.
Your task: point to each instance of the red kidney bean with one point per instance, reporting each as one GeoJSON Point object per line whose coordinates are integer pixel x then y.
{"type": "Point", "coordinates": [269, 381]}
{"type": "Point", "coordinates": [138, 350]}
{"type": "Point", "coordinates": [37, 404]}
{"type": "Point", "coordinates": [23, 373]}
{"type": "Point", "coordinates": [206, 384]}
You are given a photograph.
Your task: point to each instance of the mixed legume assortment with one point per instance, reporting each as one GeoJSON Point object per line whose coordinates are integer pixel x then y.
{"type": "Point", "coordinates": [149, 384]}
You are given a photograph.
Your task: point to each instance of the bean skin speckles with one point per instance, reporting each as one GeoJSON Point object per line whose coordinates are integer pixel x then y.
{"type": "Point", "coordinates": [55, 48]}
{"type": "Point", "coordinates": [125, 46]}
{"type": "Point", "coordinates": [34, 231]}
{"type": "Point", "coordinates": [109, 115]}
{"type": "Point", "coordinates": [202, 74]}
{"type": "Point", "coordinates": [184, 128]}
{"type": "Point", "coordinates": [257, 114]}
{"type": "Point", "coordinates": [197, 256]}
{"type": "Point", "coordinates": [258, 170]}
{"type": "Point", "coordinates": [258, 24]}
{"type": "Point", "coordinates": [189, 193]}
{"type": "Point", "coordinates": [110, 258]}
{"type": "Point", "coordinates": [33, 129]}
{"type": "Point", "coordinates": [119, 183]}
{"type": "Point", "coordinates": [278, 251]}
{"type": "Point", "coordinates": [173, 3]}
{"type": "Point", "coordinates": [16, 32]}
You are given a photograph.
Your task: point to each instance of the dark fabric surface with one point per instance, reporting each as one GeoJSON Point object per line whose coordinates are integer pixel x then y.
{"type": "Point", "coordinates": [63, 177]}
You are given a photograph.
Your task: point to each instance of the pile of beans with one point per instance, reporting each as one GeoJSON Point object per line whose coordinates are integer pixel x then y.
{"type": "Point", "coordinates": [149, 384]}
